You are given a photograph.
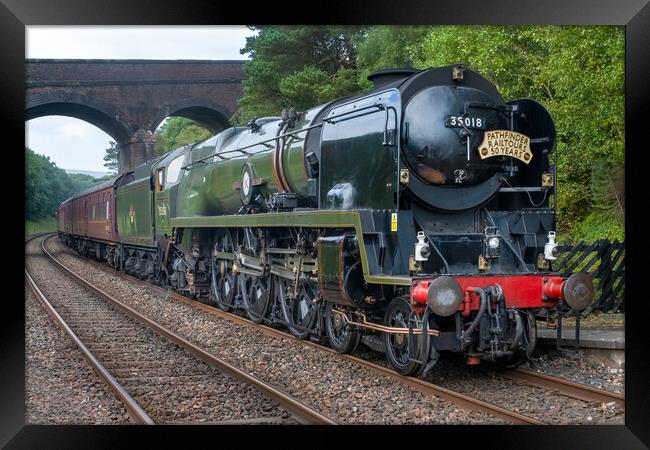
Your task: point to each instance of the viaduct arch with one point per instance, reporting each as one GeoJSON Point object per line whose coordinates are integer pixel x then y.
{"type": "Point", "coordinates": [128, 99]}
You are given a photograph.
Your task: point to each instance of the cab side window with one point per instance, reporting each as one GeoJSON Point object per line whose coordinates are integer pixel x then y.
{"type": "Point", "coordinates": [174, 169]}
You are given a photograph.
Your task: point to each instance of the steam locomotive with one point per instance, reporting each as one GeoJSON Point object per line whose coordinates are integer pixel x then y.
{"type": "Point", "coordinates": [418, 216]}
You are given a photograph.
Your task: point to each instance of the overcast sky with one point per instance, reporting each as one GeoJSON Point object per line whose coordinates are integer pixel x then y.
{"type": "Point", "coordinates": [75, 144]}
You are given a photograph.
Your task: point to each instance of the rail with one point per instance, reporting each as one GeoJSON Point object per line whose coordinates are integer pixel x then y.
{"type": "Point", "coordinates": [132, 407]}
{"type": "Point", "coordinates": [300, 411]}
{"type": "Point", "coordinates": [565, 387]}
{"type": "Point", "coordinates": [461, 400]}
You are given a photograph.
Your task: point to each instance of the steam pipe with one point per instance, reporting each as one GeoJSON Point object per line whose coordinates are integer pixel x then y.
{"type": "Point", "coordinates": [444, 261]}
{"type": "Point", "coordinates": [484, 303]}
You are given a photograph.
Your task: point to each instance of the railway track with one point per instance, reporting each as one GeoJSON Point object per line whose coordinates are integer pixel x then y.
{"type": "Point", "coordinates": [565, 387]}
{"type": "Point", "coordinates": [547, 382]}
{"type": "Point", "coordinates": [129, 366]}
{"type": "Point", "coordinates": [460, 400]}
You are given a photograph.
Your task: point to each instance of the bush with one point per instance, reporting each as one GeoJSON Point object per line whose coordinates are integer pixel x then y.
{"type": "Point", "coordinates": [598, 225]}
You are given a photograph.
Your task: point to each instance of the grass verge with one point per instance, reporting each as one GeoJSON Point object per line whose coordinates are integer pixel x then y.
{"type": "Point", "coordinates": [42, 225]}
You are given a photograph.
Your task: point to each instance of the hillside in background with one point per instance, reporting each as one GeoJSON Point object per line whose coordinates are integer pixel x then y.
{"type": "Point", "coordinates": [92, 173]}
{"type": "Point", "coordinates": [46, 186]}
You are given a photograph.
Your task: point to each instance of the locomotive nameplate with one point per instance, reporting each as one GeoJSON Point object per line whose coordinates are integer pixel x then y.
{"type": "Point", "coordinates": [505, 143]}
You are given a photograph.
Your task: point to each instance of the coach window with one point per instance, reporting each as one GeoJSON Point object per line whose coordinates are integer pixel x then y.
{"type": "Point", "coordinates": [174, 169]}
{"type": "Point", "coordinates": [160, 177]}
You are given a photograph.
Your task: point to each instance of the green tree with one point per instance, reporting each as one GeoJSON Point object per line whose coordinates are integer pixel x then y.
{"type": "Point", "coordinates": [35, 196]}
{"type": "Point", "coordinates": [45, 185]}
{"type": "Point", "coordinates": [81, 181]}
{"type": "Point", "coordinates": [159, 148]}
{"type": "Point", "coordinates": [179, 131]}
{"type": "Point", "coordinates": [389, 46]}
{"type": "Point", "coordinates": [111, 159]}
{"type": "Point", "coordinates": [600, 198]}
{"type": "Point", "coordinates": [576, 72]}
{"type": "Point", "coordinates": [299, 67]}
{"type": "Point", "coordinates": [107, 177]}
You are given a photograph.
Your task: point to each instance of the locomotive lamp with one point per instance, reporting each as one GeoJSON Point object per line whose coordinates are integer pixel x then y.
{"type": "Point", "coordinates": [491, 243]}
{"type": "Point", "coordinates": [550, 248]}
{"type": "Point", "coordinates": [422, 250]}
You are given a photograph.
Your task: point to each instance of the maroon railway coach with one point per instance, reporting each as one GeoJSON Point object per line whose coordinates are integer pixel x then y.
{"type": "Point", "coordinates": [87, 221]}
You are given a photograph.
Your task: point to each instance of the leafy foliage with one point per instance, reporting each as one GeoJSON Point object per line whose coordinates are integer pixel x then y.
{"type": "Point", "coordinates": [46, 185]}
{"type": "Point", "coordinates": [179, 131]}
{"type": "Point", "coordinates": [596, 226]}
{"type": "Point", "coordinates": [81, 181]}
{"type": "Point", "coordinates": [299, 67]}
{"type": "Point", "coordinates": [111, 158]}
{"type": "Point", "coordinates": [389, 46]}
{"type": "Point", "coordinates": [41, 225]}
{"type": "Point", "coordinates": [576, 72]}
{"type": "Point", "coordinates": [599, 185]}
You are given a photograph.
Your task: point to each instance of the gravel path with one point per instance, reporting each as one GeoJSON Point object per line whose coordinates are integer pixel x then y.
{"type": "Point", "coordinates": [169, 383]}
{"type": "Point", "coordinates": [60, 386]}
{"type": "Point", "coordinates": [338, 388]}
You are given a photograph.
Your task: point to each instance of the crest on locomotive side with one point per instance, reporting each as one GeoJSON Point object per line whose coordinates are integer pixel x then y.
{"type": "Point", "coordinates": [505, 143]}
{"type": "Point", "coordinates": [246, 184]}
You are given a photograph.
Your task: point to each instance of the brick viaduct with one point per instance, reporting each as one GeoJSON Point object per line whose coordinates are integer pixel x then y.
{"type": "Point", "coordinates": [128, 99]}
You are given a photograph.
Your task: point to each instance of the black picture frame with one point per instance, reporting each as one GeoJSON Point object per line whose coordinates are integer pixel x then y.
{"type": "Point", "coordinates": [633, 14]}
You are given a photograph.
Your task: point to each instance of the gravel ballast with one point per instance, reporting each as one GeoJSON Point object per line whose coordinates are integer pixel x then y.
{"type": "Point", "coordinates": [170, 384]}
{"type": "Point", "coordinates": [60, 386]}
{"type": "Point", "coordinates": [333, 385]}
{"type": "Point", "coordinates": [482, 383]}
{"type": "Point", "coordinates": [579, 369]}
{"type": "Point", "coordinates": [338, 387]}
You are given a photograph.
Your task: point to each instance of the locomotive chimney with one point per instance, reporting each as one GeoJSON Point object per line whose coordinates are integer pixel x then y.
{"type": "Point", "coordinates": [387, 76]}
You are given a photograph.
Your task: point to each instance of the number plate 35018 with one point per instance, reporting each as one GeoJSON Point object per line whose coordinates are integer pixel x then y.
{"type": "Point", "coordinates": [459, 121]}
